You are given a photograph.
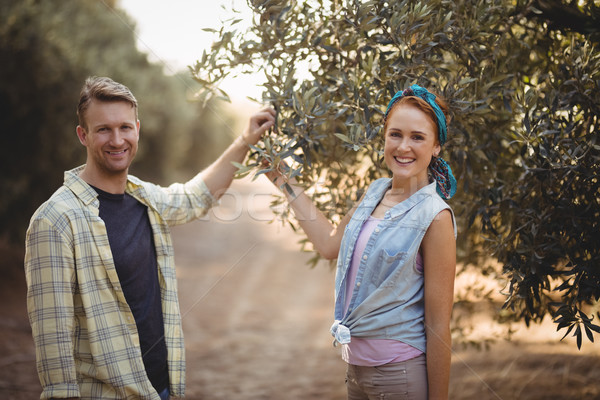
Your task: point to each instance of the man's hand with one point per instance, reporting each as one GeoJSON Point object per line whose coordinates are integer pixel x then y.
{"type": "Point", "coordinates": [259, 123]}
{"type": "Point", "coordinates": [219, 175]}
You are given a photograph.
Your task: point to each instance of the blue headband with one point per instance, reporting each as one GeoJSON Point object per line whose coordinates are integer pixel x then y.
{"type": "Point", "coordinates": [422, 93]}
{"type": "Point", "coordinates": [442, 173]}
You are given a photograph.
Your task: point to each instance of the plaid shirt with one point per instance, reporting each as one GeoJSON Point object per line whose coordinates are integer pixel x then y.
{"type": "Point", "coordinates": [85, 335]}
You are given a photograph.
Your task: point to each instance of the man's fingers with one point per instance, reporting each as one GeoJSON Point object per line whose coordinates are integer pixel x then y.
{"type": "Point", "coordinates": [266, 114]}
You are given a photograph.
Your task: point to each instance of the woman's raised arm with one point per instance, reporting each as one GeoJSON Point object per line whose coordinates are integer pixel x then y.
{"type": "Point", "coordinates": [325, 237]}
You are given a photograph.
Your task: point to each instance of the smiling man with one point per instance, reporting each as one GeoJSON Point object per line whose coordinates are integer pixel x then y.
{"type": "Point", "coordinates": [102, 292]}
{"type": "Point", "coordinates": [110, 131]}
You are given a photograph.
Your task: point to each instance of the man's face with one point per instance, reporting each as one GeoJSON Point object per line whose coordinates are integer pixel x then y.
{"type": "Point", "coordinates": [111, 135]}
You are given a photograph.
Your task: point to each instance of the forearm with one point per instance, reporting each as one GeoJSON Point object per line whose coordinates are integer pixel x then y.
{"type": "Point", "coordinates": [219, 175]}
{"type": "Point", "coordinates": [320, 231]}
{"type": "Point", "coordinates": [439, 345]}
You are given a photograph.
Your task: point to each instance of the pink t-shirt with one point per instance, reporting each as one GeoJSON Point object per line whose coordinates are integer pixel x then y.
{"type": "Point", "coordinates": [372, 352]}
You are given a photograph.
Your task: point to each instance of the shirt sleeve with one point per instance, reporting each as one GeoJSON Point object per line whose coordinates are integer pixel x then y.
{"type": "Point", "coordinates": [50, 275]}
{"type": "Point", "coordinates": [181, 202]}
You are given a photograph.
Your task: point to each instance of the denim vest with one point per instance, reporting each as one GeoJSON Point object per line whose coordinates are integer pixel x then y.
{"type": "Point", "coordinates": [387, 300]}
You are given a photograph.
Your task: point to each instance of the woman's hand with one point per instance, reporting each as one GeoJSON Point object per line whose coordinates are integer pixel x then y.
{"type": "Point", "coordinates": [278, 176]}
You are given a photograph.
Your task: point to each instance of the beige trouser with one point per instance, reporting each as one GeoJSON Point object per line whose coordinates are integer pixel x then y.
{"type": "Point", "coordinates": [394, 381]}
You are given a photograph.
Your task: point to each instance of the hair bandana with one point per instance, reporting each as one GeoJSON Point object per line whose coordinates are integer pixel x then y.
{"type": "Point", "coordinates": [446, 182]}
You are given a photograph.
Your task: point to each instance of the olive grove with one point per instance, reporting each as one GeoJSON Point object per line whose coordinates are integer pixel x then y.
{"type": "Point", "coordinates": [522, 78]}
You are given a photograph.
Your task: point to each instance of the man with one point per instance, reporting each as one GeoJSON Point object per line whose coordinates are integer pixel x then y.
{"type": "Point", "coordinates": [102, 295]}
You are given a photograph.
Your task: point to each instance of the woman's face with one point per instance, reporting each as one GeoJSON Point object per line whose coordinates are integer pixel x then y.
{"type": "Point", "coordinates": [410, 143]}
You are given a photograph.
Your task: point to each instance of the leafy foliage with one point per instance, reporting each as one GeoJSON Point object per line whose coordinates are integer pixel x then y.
{"type": "Point", "coordinates": [524, 95]}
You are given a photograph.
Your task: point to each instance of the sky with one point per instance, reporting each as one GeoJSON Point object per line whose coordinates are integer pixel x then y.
{"type": "Point", "coordinates": [171, 33]}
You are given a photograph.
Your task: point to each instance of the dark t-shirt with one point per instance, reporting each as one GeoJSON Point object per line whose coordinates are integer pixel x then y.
{"type": "Point", "coordinates": [132, 246]}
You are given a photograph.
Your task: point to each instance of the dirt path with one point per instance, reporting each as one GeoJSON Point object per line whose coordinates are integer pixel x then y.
{"type": "Point", "coordinates": [256, 317]}
{"type": "Point", "coordinates": [256, 322]}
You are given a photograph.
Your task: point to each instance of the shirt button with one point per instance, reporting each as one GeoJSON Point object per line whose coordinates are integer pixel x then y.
{"type": "Point", "coordinates": [376, 230]}
{"type": "Point", "coordinates": [357, 284]}
{"type": "Point", "coordinates": [365, 257]}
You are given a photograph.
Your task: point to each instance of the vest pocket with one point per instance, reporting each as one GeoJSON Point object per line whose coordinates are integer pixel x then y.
{"type": "Point", "coordinates": [384, 273]}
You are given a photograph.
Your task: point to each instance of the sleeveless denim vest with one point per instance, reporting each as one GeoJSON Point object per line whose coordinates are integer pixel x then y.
{"type": "Point", "coordinates": [387, 300]}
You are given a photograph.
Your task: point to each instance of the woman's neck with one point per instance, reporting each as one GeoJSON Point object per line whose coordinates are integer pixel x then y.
{"type": "Point", "coordinates": [396, 194]}
{"type": "Point", "coordinates": [402, 189]}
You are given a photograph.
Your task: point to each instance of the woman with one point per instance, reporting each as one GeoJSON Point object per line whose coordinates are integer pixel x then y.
{"type": "Point", "coordinates": [396, 263]}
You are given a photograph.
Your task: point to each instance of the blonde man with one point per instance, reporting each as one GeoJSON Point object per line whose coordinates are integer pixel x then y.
{"type": "Point", "coordinates": [102, 296]}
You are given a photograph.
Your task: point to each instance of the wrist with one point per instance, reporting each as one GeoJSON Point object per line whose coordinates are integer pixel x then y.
{"type": "Point", "coordinates": [241, 140]}
{"type": "Point", "coordinates": [290, 189]}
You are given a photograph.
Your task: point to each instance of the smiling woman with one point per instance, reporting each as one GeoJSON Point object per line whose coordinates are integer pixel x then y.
{"type": "Point", "coordinates": [396, 260]}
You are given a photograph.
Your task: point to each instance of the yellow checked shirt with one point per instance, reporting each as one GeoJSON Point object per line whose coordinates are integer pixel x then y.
{"type": "Point", "coordinates": [85, 336]}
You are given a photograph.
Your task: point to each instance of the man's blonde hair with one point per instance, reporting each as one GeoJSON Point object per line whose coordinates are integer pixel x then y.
{"type": "Point", "coordinates": [103, 89]}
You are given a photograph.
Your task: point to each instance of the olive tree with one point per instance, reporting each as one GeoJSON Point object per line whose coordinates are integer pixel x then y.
{"type": "Point", "coordinates": [524, 97]}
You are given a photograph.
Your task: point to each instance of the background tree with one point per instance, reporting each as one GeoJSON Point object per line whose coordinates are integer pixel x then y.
{"type": "Point", "coordinates": [48, 48]}
{"type": "Point", "coordinates": [524, 92]}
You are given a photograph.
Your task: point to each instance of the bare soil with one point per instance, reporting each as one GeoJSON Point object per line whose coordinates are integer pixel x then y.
{"type": "Point", "coordinates": [256, 320]}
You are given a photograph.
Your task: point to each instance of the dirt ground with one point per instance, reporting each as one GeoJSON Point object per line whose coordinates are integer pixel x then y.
{"type": "Point", "coordinates": [256, 321]}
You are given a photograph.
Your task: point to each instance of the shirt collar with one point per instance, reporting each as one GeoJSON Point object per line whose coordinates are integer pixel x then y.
{"type": "Point", "coordinates": [79, 187]}
{"type": "Point", "coordinates": [399, 209]}
{"type": "Point", "coordinates": [85, 192]}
